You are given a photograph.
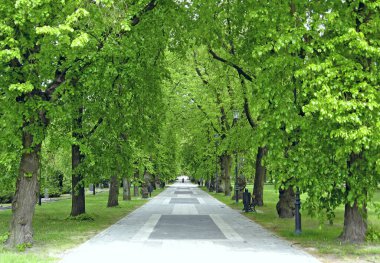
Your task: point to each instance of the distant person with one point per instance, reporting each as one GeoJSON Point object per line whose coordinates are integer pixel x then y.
{"type": "Point", "coordinates": [183, 180]}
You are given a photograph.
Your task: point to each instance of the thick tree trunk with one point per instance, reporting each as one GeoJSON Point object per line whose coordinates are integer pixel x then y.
{"type": "Point", "coordinates": [113, 192]}
{"type": "Point", "coordinates": [225, 178]}
{"type": "Point", "coordinates": [355, 217]}
{"type": "Point", "coordinates": [145, 185]}
{"type": "Point", "coordinates": [126, 189]}
{"type": "Point", "coordinates": [78, 204]}
{"type": "Point", "coordinates": [285, 206]}
{"type": "Point", "coordinates": [157, 182]}
{"type": "Point", "coordinates": [25, 198]}
{"type": "Point", "coordinates": [258, 188]}
{"type": "Point", "coordinates": [355, 223]}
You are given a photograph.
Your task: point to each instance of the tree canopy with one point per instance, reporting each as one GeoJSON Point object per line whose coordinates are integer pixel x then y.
{"type": "Point", "coordinates": [136, 87]}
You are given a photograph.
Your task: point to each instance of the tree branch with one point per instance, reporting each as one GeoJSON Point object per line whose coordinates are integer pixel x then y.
{"type": "Point", "coordinates": [150, 6]}
{"type": "Point", "coordinates": [206, 115]}
{"type": "Point", "coordinates": [223, 118]}
{"type": "Point", "coordinates": [60, 77]}
{"type": "Point", "coordinates": [199, 73]}
{"type": "Point", "coordinates": [242, 74]}
{"type": "Point", "coordinates": [201, 76]}
{"type": "Point", "coordinates": [229, 63]}
{"type": "Point", "coordinates": [246, 105]}
{"type": "Point", "coordinates": [100, 121]}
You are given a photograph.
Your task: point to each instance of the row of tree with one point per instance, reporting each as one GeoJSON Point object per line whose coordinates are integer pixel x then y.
{"type": "Point", "coordinates": [304, 77]}
{"type": "Point", "coordinates": [146, 85]}
{"type": "Point", "coordinates": [82, 78]}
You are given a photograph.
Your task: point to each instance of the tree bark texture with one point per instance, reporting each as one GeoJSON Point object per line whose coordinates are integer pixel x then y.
{"type": "Point", "coordinates": [157, 182]}
{"type": "Point", "coordinates": [145, 185]}
{"type": "Point", "coordinates": [113, 192]}
{"type": "Point", "coordinates": [285, 206]}
{"type": "Point", "coordinates": [355, 223]}
{"type": "Point", "coordinates": [78, 204]}
{"type": "Point", "coordinates": [225, 178]}
{"type": "Point", "coordinates": [258, 188]}
{"type": "Point", "coordinates": [126, 189]}
{"type": "Point", "coordinates": [355, 217]}
{"type": "Point", "coordinates": [25, 198]}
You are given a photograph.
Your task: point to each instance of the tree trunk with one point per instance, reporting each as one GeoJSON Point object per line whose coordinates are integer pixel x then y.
{"type": "Point", "coordinates": [211, 184]}
{"type": "Point", "coordinates": [78, 204]}
{"type": "Point", "coordinates": [25, 198]}
{"type": "Point", "coordinates": [126, 189]}
{"type": "Point", "coordinates": [113, 192]}
{"type": "Point", "coordinates": [285, 206]}
{"type": "Point", "coordinates": [135, 184]}
{"type": "Point", "coordinates": [157, 182]}
{"type": "Point", "coordinates": [355, 223]}
{"type": "Point", "coordinates": [258, 189]}
{"type": "Point", "coordinates": [145, 185]}
{"type": "Point", "coordinates": [355, 218]}
{"type": "Point", "coordinates": [225, 185]}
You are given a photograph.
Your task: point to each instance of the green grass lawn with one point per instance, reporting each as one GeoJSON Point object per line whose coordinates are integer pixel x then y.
{"type": "Point", "coordinates": [54, 233]}
{"type": "Point", "coordinates": [321, 240]}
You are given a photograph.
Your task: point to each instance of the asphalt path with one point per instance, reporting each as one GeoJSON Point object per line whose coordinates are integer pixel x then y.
{"type": "Point", "coordinates": [185, 224]}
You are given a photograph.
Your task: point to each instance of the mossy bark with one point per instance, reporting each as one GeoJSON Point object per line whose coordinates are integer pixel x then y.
{"type": "Point", "coordinates": [25, 198]}
{"type": "Point", "coordinates": [355, 223]}
{"type": "Point", "coordinates": [285, 206]}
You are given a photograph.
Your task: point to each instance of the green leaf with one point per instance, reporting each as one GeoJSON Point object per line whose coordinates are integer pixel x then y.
{"type": "Point", "coordinates": [23, 87]}
{"type": "Point", "coordinates": [80, 41]}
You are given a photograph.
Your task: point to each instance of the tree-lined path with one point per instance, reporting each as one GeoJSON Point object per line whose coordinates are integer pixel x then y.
{"type": "Point", "coordinates": [185, 224]}
{"type": "Point", "coordinates": [232, 93]}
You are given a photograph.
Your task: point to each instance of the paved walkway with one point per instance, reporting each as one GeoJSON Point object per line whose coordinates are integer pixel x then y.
{"type": "Point", "coordinates": [185, 224]}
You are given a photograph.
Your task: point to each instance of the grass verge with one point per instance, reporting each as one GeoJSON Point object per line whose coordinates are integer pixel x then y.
{"type": "Point", "coordinates": [54, 232]}
{"type": "Point", "coordinates": [320, 240]}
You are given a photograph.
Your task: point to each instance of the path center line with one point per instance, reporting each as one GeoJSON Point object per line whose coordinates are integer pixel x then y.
{"type": "Point", "coordinates": [184, 209]}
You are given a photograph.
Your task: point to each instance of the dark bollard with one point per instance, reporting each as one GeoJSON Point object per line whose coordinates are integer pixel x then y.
{"type": "Point", "coordinates": [297, 213]}
{"type": "Point", "coordinates": [250, 207]}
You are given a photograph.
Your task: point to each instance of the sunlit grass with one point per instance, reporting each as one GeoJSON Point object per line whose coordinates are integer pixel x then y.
{"type": "Point", "coordinates": [321, 239]}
